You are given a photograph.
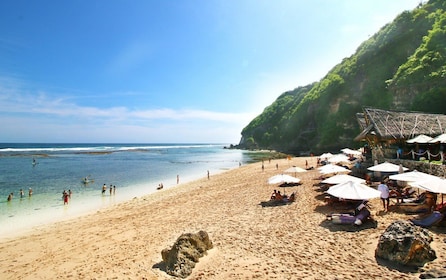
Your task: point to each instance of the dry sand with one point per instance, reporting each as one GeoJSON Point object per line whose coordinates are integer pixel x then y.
{"type": "Point", "coordinates": [250, 242]}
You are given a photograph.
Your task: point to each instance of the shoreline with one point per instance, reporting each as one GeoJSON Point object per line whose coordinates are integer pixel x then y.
{"type": "Point", "coordinates": [88, 205]}
{"type": "Point", "coordinates": [286, 242]}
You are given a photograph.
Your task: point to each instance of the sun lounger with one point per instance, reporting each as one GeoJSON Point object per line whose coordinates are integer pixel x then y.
{"type": "Point", "coordinates": [430, 220]}
{"type": "Point", "coordinates": [349, 219]}
{"type": "Point", "coordinates": [410, 208]}
{"type": "Point", "coordinates": [278, 202]}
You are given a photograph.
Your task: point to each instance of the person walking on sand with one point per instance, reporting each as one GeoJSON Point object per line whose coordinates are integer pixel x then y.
{"type": "Point", "coordinates": [384, 189]}
{"type": "Point", "coordinates": [208, 174]}
{"type": "Point", "coordinates": [178, 179]}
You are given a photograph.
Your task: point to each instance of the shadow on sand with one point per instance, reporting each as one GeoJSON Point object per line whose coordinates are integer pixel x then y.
{"type": "Point", "coordinates": [396, 266]}
{"type": "Point", "coordinates": [274, 203]}
{"type": "Point", "coordinates": [369, 224]}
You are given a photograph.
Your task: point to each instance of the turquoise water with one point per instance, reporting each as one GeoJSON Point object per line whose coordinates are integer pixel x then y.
{"type": "Point", "coordinates": [135, 170]}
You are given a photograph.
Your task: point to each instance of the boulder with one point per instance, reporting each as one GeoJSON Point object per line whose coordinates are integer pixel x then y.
{"type": "Point", "coordinates": [181, 258]}
{"type": "Point", "coordinates": [406, 244]}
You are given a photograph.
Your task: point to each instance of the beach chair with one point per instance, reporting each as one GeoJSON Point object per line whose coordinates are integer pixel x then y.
{"type": "Point", "coordinates": [410, 208]}
{"type": "Point", "coordinates": [278, 202]}
{"type": "Point", "coordinates": [349, 219]}
{"type": "Point", "coordinates": [430, 220]}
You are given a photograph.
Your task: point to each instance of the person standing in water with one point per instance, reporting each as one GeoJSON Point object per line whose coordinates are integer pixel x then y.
{"type": "Point", "coordinates": [65, 197]}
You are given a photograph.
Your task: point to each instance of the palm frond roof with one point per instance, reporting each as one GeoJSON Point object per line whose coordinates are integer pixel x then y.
{"type": "Point", "coordinates": [396, 125]}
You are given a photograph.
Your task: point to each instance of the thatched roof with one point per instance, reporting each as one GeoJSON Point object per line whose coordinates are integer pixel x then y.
{"type": "Point", "coordinates": [393, 125]}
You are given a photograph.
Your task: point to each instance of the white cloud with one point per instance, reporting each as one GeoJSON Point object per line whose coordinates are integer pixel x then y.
{"type": "Point", "coordinates": [41, 117]}
{"type": "Point", "coordinates": [44, 104]}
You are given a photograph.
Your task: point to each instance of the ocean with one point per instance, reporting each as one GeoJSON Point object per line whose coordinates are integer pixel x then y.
{"type": "Point", "coordinates": [134, 169]}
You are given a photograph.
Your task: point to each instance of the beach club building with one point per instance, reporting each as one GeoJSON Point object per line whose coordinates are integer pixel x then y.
{"type": "Point", "coordinates": [403, 135]}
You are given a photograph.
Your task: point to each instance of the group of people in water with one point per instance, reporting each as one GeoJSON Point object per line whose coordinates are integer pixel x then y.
{"type": "Point", "coordinates": [112, 189]}
{"type": "Point", "coordinates": [22, 194]}
{"type": "Point", "coordinates": [66, 195]}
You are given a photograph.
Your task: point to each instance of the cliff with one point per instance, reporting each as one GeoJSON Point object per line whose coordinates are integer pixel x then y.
{"type": "Point", "coordinates": [401, 67]}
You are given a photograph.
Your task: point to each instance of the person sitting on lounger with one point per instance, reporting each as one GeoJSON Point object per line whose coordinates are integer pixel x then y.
{"type": "Point", "coordinates": [279, 196]}
{"type": "Point", "coordinates": [420, 198]}
{"type": "Point", "coordinates": [408, 192]}
{"type": "Point", "coordinates": [431, 200]}
{"type": "Point", "coordinates": [396, 194]}
{"type": "Point", "coordinates": [401, 194]}
{"type": "Point", "coordinates": [273, 195]}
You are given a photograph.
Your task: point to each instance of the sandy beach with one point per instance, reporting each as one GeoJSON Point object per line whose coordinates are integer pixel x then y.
{"type": "Point", "coordinates": [294, 241]}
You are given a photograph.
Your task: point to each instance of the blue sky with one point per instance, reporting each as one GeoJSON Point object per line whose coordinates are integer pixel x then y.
{"type": "Point", "coordinates": [146, 71]}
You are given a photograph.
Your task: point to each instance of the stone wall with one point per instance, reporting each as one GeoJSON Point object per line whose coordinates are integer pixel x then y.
{"type": "Point", "coordinates": [430, 168]}
{"type": "Point", "coordinates": [387, 154]}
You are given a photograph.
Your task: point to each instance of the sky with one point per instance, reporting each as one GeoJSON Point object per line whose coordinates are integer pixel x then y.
{"type": "Point", "coordinates": [152, 71]}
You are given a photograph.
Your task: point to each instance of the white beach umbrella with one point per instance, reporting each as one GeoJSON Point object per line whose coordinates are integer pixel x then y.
{"type": "Point", "coordinates": [420, 139]}
{"type": "Point", "coordinates": [339, 158]}
{"type": "Point", "coordinates": [332, 168]}
{"type": "Point", "coordinates": [412, 176]}
{"type": "Point", "coordinates": [295, 169]}
{"type": "Point", "coordinates": [283, 178]}
{"type": "Point", "coordinates": [436, 185]}
{"type": "Point", "coordinates": [342, 178]}
{"type": "Point", "coordinates": [440, 138]}
{"type": "Point", "coordinates": [386, 167]}
{"type": "Point", "coordinates": [325, 156]}
{"type": "Point", "coordinates": [349, 151]}
{"type": "Point", "coordinates": [354, 191]}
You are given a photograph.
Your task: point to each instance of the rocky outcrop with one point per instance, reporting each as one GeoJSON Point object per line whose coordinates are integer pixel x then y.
{"type": "Point", "coordinates": [406, 244]}
{"type": "Point", "coordinates": [181, 258]}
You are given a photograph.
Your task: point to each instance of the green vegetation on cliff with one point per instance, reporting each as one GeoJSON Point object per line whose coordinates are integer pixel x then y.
{"type": "Point", "coordinates": [401, 67]}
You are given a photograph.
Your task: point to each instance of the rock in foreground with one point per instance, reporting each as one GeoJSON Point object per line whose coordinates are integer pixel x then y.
{"type": "Point", "coordinates": [181, 258]}
{"type": "Point", "coordinates": [406, 244]}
